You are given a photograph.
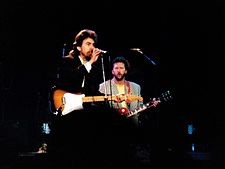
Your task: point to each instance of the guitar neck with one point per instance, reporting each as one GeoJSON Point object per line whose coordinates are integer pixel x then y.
{"type": "Point", "coordinates": [97, 98]}
{"type": "Point", "coordinates": [136, 111]}
{"type": "Point", "coordinates": [165, 97]}
{"type": "Point", "coordinates": [109, 98]}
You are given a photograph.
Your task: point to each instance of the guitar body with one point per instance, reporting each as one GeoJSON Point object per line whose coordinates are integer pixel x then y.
{"type": "Point", "coordinates": [58, 99]}
{"type": "Point", "coordinates": [65, 102]}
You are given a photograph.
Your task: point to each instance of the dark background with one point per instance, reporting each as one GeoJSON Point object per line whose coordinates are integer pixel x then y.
{"type": "Point", "coordinates": [184, 38]}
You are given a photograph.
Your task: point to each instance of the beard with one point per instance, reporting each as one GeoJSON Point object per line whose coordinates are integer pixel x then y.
{"type": "Point", "coordinates": [87, 58]}
{"type": "Point", "coordinates": [87, 55]}
{"type": "Point", "coordinates": [119, 77]}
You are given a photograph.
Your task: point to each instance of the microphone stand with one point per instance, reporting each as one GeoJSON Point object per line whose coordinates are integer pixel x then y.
{"type": "Point", "coordinates": [104, 81]}
{"type": "Point", "coordinates": [147, 57]}
{"type": "Point", "coordinates": [63, 55]}
{"type": "Point", "coordinates": [103, 74]}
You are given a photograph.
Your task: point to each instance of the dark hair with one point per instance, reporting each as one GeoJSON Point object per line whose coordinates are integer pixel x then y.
{"type": "Point", "coordinates": [83, 34]}
{"type": "Point", "coordinates": [123, 60]}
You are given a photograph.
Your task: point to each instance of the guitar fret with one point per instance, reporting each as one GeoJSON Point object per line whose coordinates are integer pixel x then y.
{"type": "Point", "coordinates": [165, 97]}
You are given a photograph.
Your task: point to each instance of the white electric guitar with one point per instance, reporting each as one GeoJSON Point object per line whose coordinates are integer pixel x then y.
{"type": "Point", "coordinates": [66, 102]}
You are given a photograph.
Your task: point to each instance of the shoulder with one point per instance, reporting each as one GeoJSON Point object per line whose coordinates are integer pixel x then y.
{"type": "Point", "coordinates": [71, 60]}
{"type": "Point", "coordinates": [103, 83]}
{"type": "Point", "coordinates": [134, 84]}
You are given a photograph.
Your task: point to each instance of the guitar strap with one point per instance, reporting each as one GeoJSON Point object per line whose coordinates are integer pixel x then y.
{"type": "Point", "coordinates": [128, 86]}
{"type": "Point", "coordinates": [128, 90]}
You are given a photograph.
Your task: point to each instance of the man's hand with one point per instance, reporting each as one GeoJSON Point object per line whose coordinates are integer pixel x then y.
{"type": "Point", "coordinates": [95, 54]}
{"type": "Point", "coordinates": [155, 102]}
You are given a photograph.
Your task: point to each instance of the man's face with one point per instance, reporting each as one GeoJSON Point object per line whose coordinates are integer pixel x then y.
{"type": "Point", "coordinates": [87, 47]}
{"type": "Point", "coordinates": [119, 71]}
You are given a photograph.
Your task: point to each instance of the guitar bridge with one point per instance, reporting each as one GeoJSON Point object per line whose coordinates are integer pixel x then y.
{"type": "Point", "coordinates": [63, 100]}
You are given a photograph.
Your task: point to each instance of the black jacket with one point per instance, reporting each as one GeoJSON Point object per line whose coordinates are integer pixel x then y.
{"type": "Point", "coordinates": [72, 73]}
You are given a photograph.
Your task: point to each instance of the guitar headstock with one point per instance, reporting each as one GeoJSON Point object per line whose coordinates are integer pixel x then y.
{"type": "Point", "coordinates": [134, 97]}
{"type": "Point", "coordinates": [130, 97]}
{"type": "Point", "coordinates": [166, 96]}
{"type": "Point", "coordinates": [126, 97]}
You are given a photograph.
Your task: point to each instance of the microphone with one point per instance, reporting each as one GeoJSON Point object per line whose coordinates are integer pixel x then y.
{"type": "Point", "coordinates": [137, 49]}
{"type": "Point", "coordinates": [103, 51]}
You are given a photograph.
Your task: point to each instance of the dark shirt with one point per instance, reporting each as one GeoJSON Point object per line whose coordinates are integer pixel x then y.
{"type": "Point", "coordinates": [72, 74]}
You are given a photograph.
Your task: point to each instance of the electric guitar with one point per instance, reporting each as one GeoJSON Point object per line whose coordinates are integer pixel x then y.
{"type": "Point", "coordinates": [65, 102]}
{"type": "Point", "coordinates": [166, 96]}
